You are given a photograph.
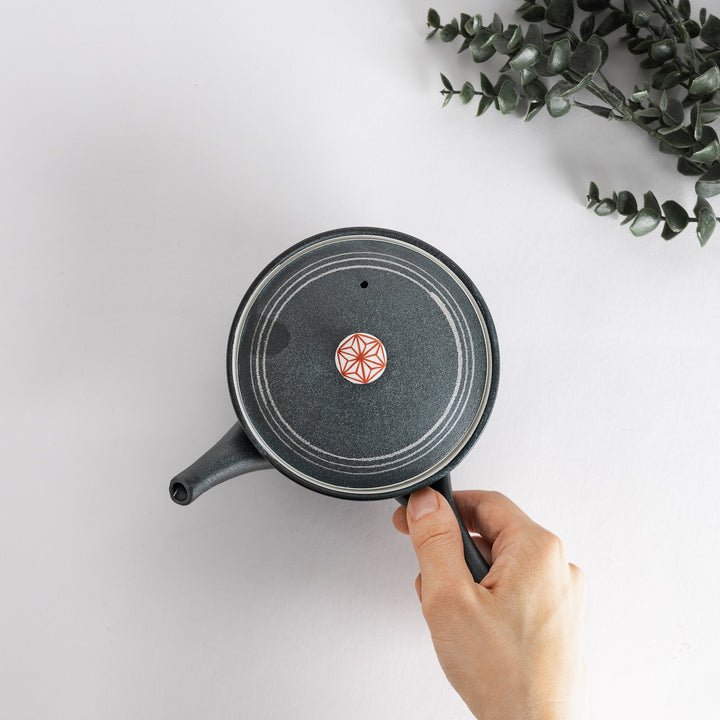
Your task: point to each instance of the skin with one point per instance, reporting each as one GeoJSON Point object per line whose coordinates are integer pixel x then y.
{"type": "Point", "coordinates": [511, 645]}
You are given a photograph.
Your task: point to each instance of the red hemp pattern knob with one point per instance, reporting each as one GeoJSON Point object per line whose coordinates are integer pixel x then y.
{"type": "Point", "coordinates": [361, 358]}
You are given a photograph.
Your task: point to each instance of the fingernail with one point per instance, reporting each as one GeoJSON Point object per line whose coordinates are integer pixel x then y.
{"type": "Point", "coordinates": [422, 503]}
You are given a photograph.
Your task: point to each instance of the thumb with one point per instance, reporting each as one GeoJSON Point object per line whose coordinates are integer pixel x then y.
{"type": "Point", "coordinates": [435, 535]}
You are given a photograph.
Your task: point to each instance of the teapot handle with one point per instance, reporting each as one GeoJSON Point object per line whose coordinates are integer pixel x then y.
{"type": "Point", "coordinates": [475, 561]}
{"type": "Point", "coordinates": [231, 456]}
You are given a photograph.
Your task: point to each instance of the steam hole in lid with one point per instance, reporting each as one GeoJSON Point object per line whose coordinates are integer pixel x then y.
{"type": "Point", "coordinates": [364, 284]}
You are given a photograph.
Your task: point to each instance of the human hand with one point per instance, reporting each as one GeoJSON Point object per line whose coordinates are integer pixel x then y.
{"type": "Point", "coordinates": [511, 645]}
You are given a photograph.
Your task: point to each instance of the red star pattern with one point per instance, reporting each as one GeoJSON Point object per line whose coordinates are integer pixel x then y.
{"type": "Point", "coordinates": [361, 358]}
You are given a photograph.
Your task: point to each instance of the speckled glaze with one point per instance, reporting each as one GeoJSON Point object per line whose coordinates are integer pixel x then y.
{"type": "Point", "coordinates": [359, 440]}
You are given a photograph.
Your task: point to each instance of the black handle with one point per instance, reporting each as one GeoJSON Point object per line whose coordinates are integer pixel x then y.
{"type": "Point", "coordinates": [475, 561]}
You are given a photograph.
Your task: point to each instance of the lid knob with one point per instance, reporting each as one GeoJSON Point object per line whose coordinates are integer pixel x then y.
{"type": "Point", "coordinates": [361, 358]}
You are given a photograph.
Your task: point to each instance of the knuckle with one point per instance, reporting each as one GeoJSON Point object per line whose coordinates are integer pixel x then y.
{"type": "Point", "coordinates": [431, 536]}
{"type": "Point", "coordinates": [578, 576]}
{"type": "Point", "coordinates": [446, 600]}
{"type": "Point", "coordinates": [551, 546]}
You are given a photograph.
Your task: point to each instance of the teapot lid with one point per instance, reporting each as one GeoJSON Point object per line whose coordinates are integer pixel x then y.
{"type": "Point", "coordinates": [363, 363]}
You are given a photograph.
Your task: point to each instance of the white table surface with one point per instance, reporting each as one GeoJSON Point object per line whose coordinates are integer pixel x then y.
{"type": "Point", "coordinates": [155, 157]}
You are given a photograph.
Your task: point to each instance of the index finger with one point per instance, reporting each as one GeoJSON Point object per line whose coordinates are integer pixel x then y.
{"type": "Point", "coordinates": [489, 513]}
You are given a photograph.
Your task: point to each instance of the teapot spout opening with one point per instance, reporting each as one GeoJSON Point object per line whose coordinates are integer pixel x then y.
{"type": "Point", "coordinates": [179, 493]}
{"type": "Point", "coordinates": [231, 456]}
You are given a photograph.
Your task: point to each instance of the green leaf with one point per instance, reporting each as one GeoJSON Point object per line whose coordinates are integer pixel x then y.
{"type": "Point", "coordinates": [605, 207]}
{"type": "Point", "coordinates": [515, 39]}
{"type": "Point", "coordinates": [668, 233]}
{"type": "Point", "coordinates": [467, 93]}
{"type": "Point", "coordinates": [479, 50]}
{"type": "Point", "coordinates": [527, 75]}
{"type": "Point", "coordinates": [604, 50]}
{"type": "Point", "coordinates": [555, 100]}
{"type": "Point", "coordinates": [685, 167]}
{"type": "Point", "coordinates": [486, 86]}
{"type": "Point", "coordinates": [707, 83]}
{"type": "Point", "coordinates": [684, 8]}
{"type": "Point", "coordinates": [675, 216]}
{"type": "Point", "coordinates": [641, 19]}
{"type": "Point", "coordinates": [446, 83]}
{"type": "Point", "coordinates": [600, 110]}
{"type": "Point", "coordinates": [587, 26]}
{"type": "Point", "coordinates": [593, 6]}
{"type": "Point", "coordinates": [525, 58]}
{"type": "Point", "coordinates": [709, 154]}
{"type": "Point", "coordinates": [710, 32]}
{"type": "Point", "coordinates": [645, 221]}
{"type": "Point", "coordinates": [673, 113]}
{"type": "Point", "coordinates": [626, 203]}
{"type": "Point", "coordinates": [611, 22]}
{"type": "Point", "coordinates": [579, 86]}
{"type": "Point", "coordinates": [433, 19]}
{"type": "Point", "coordinates": [709, 184]}
{"type": "Point", "coordinates": [508, 96]}
{"type": "Point", "coordinates": [706, 220]}
{"type": "Point", "coordinates": [447, 99]}
{"type": "Point", "coordinates": [560, 13]}
{"type": "Point", "coordinates": [535, 91]}
{"type": "Point", "coordinates": [650, 202]}
{"type": "Point", "coordinates": [640, 96]}
{"type": "Point", "coordinates": [534, 35]}
{"type": "Point", "coordinates": [663, 50]}
{"type": "Point", "coordinates": [559, 57]}
{"type": "Point", "coordinates": [586, 59]}
{"type": "Point", "coordinates": [533, 110]}
{"type": "Point", "coordinates": [535, 13]}
{"type": "Point", "coordinates": [593, 195]}
{"type": "Point", "coordinates": [485, 102]}
{"type": "Point", "coordinates": [449, 32]}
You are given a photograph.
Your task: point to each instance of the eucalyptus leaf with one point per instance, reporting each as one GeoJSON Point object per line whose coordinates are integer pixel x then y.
{"type": "Point", "coordinates": [525, 58]}
{"type": "Point", "coordinates": [587, 26]}
{"type": "Point", "coordinates": [449, 32]}
{"type": "Point", "coordinates": [706, 220]}
{"type": "Point", "coordinates": [663, 50]}
{"type": "Point", "coordinates": [593, 195]}
{"type": "Point", "coordinates": [685, 167]}
{"type": "Point", "coordinates": [560, 13]}
{"type": "Point", "coordinates": [645, 221]}
{"type": "Point", "coordinates": [433, 19]}
{"type": "Point", "coordinates": [533, 110]}
{"type": "Point", "coordinates": [446, 83]}
{"type": "Point", "coordinates": [486, 86]}
{"type": "Point", "coordinates": [559, 58]}
{"type": "Point", "coordinates": [586, 59]}
{"type": "Point", "coordinates": [684, 8]}
{"type": "Point", "coordinates": [508, 96]}
{"type": "Point", "coordinates": [467, 93]}
{"type": "Point", "coordinates": [485, 102]}
{"type": "Point", "coordinates": [605, 207]}
{"type": "Point", "coordinates": [706, 83]}
{"type": "Point", "coordinates": [709, 184]}
{"type": "Point", "coordinates": [675, 216]}
{"type": "Point", "coordinates": [555, 100]}
{"type": "Point", "coordinates": [600, 110]}
{"type": "Point", "coordinates": [516, 38]}
{"type": "Point", "coordinates": [579, 86]}
{"type": "Point", "coordinates": [626, 203]}
{"type": "Point", "coordinates": [593, 6]}
{"type": "Point", "coordinates": [710, 32]}
{"type": "Point", "coordinates": [709, 154]}
{"type": "Point", "coordinates": [650, 202]}
{"type": "Point", "coordinates": [668, 233]}
{"type": "Point", "coordinates": [611, 22]}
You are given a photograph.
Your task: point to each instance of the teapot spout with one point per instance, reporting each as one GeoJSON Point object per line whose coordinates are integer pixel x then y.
{"type": "Point", "coordinates": [231, 456]}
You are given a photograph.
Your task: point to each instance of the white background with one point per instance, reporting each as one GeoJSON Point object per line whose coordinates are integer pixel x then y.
{"type": "Point", "coordinates": [155, 157]}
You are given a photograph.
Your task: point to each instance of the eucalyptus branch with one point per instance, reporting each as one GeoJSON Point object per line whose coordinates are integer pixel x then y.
{"type": "Point", "coordinates": [557, 57]}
